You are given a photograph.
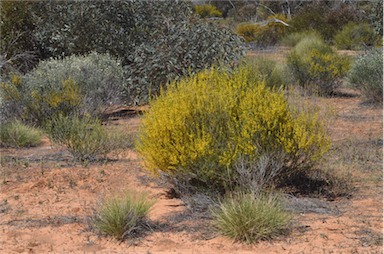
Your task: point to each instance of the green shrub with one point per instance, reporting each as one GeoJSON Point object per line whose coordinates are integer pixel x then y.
{"type": "Point", "coordinates": [207, 11]}
{"type": "Point", "coordinates": [157, 41]}
{"type": "Point", "coordinates": [326, 20]}
{"type": "Point", "coordinates": [85, 138]}
{"type": "Point", "coordinates": [263, 34]}
{"type": "Point", "coordinates": [73, 85]}
{"type": "Point", "coordinates": [292, 39]}
{"type": "Point", "coordinates": [263, 69]}
{"type": "Point", "coordinates": [366, 74]}
{"type": "Point", "coordinates": [197, 130]}
{"type": "Point", "coordinates": [247, 218]}
{"type": "Point", "coordinates": [122, 215]}
{"type": "Point", "coordinates": [16, 29]}
{"type": "Point", "coordinates": [12, 98]}
{"type": "Point", "coordinates": [316, 66]}
{"type": "Point", "coordinates": [17, 134]}
{"type": "Point", "coordinates": [356, 36]}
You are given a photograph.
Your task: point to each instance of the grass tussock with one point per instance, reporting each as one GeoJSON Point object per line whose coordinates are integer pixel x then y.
{"type": "Point", "coordinates": [244, 217]}
{"type": "Point", "coordinates": [122, 215]}
{"type": "Point", "coordinates": [17, 134]}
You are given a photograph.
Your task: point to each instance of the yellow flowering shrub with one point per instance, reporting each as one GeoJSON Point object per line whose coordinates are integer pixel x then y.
{"type": "Point", "coordinates": [64, 99]}
{"type": "Point", "coordinates": [202, 125]}
{"type": "Point", "coordinates": [264, 34]}
{"type": "Point", "coordinates": [207, 11]}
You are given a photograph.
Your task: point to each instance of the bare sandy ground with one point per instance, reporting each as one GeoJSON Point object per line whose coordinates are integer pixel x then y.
{"type": "Point", "coordinates": [45, 204]}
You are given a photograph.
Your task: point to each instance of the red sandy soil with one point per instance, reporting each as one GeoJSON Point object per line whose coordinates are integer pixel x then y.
{"type": "Point", "coordinates": [45, 205]}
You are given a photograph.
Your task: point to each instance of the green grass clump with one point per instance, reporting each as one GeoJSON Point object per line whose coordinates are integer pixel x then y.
{"type": "Point", "coordinates": [17, 134]}
{"type": "Point", "coordinates": [86, 138]}
{"type": "Point", "coordinates": [121, 215]}
{"type": "Point", "coordinates": [244, 217]}
{"type": "Point", "coordinates": [366, 75]}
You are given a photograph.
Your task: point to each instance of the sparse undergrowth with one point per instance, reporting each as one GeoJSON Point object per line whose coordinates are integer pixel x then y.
{"type": "Point", "coordinates": [86, 138]}
{"type": "Point", "coordinates": [17, 134]}
{"type": "Point", "coordinates": [122, 215]}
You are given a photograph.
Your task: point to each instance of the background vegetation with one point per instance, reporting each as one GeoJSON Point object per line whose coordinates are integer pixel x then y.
{"type": "Point", "coordinates": [218, 123]}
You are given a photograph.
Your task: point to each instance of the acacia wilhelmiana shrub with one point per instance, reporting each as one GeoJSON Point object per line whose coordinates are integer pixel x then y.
{"type": "Point", "coordinates": [197, 130]}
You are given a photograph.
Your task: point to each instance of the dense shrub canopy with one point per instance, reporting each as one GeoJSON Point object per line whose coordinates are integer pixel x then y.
{"type": "Point", "coordinates": [200, 126]}
{"type": "Point", "coordinates": [355, 36]}
{"type": "Point", "coordinates": [155, 40]}
{"type": "Point", "coordinates": [327, 20]}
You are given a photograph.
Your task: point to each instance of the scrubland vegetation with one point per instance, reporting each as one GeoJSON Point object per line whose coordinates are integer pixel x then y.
{"type": "Point", "coordinates": [218, 122]}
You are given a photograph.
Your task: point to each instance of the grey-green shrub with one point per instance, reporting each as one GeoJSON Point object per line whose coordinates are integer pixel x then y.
{"type": "Point", "coordinates": [244, 217]}
{"type": "Point", "coordinates": [355, 36]}
{"type": "Point", "coordinates": [85, 138]}
{"type": "Point", "coordinates": [17, 134]}
{"type": "Point", "coordinates": [121, 215]}
{"type": "Point", "coordinates": [366, 75]}
{"type": "Point", "coordinates": [157, 41]}
{"type": "Point", "coordinates": [316, 66]}
{"type": "Point", "coordinates": [99, 79]}
{"type": "Point", "coordinates": [73, 85]}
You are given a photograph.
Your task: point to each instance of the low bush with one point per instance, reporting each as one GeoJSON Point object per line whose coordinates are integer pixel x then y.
{"type": "Point", "coordinates": [244, 217]}
{"type": "Point", "coordinates": [73, 85]}
{"type": "Point", "coordinates": [263, 69]}
{"type": "Point", "coordinates": [355, 36]}
{"type": "Point", "coordinates": [85, 138]}
{"type": "Point", "coordinates": [316, 66]}
{"type": "Point", "coordinates": [197, 130]}
{"type": "Point", "coordinates": [121, 216]}
{"type": "Point", "coordinates": [263, 34]}
{"type": "Point", "coordinates": [366, 74]}
{"type": "Point", "coordinates": [17, 134]}
{"type": "Point", "coordinates": [207, 11]}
